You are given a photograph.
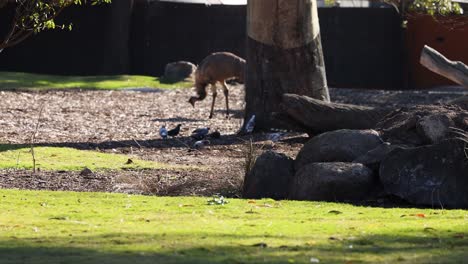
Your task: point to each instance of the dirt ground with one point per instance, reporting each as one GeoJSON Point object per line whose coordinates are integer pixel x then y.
{"type": "Point", "coordinates": [128, 122]}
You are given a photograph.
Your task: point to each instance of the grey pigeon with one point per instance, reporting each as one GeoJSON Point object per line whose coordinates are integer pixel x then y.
{"type": "Point", "coordinates": [249, 127]}
{"type": "Point", "coordinates": [200, 133]}
{"type": "Point", "coordinates": [275, 136]}
{"type": "Point", "coordinates": [163, 132]}
{"type": "Point", "coordinates": [200, 144]}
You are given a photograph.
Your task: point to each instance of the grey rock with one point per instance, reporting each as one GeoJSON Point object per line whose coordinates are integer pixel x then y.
{"type": "Point", "coordinates": [434, 128]}
{"type": "Point", "coordinates": [179, 71]}
{"type": "Point", "coordinates": [373, 157]}
{"type": "Point", "coordinates": [86, 172]}
{"type": "Point", "coordinates": [435, 175]}
{"type": "Point", "coordinates": [340, 145]}
{"type": "Point", "coordinates": [332, 181]}
{"type": "Point", "coordinates": [422, 124]}
{"type": "Point", "coordinates": [269, 177]}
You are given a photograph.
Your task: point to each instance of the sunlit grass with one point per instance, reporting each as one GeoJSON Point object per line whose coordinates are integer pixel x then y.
{"type": "Point", "coordinates": [68, 227]}
{"type": "Point", "coordinates": [55, 158]}
{"type": "Point", "coordinates": [27, 81]}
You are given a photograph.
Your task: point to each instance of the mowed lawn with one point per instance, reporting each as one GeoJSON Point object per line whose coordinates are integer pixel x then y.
{"type": "Point", "coordinates": [68, 227]}
{"type": "Point", "coordinates": [29, 81]}
{"type": "Point", "coordinates": [69, 159]}
{"type": "Point", "coordinates": [71, 227]}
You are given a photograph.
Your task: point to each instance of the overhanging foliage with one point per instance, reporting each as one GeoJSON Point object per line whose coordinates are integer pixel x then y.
{"type": "Point", "coordinates": [34, 16]}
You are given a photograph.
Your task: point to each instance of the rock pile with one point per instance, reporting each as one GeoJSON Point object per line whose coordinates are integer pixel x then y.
{"type": "Point", "coordinates": [416, 153]}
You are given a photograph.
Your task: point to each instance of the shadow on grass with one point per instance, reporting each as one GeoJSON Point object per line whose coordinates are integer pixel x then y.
{"type": "Point", "coordinates": [7, 147]}
{"type": "Point", "coordinates": [166, 80]}
{"type": "Point", "coordinates": [194, 248]}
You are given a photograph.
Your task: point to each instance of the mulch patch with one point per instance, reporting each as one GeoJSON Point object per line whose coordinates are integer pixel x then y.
{"type": "Point", "coordinates": [128, 122]}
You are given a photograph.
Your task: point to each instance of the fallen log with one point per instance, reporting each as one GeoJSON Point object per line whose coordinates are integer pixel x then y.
{"type": "Point", "coordinates": [436, 62]}
{"type": "Point", "coordinates": [318, 116]}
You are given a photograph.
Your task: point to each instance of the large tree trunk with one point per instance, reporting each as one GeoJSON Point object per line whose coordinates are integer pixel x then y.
{"type": "Point", "coordinates": [284, 55]}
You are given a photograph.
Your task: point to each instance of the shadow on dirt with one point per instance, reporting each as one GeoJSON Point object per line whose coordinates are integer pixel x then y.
{"type": "Point", "coordinates": [232, 113]}
{"type": "Point", "coordinates": [177, 120]}
{"type": "Point", "coordinates": [176, 142]}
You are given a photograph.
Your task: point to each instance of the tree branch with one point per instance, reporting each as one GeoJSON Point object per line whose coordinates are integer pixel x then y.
{"type": "Point", "coordinates": [33, 16]}
{"type": "Point", "coordinates": [436, 62]}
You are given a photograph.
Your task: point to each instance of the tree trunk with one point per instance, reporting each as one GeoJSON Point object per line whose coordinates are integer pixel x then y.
{"type": "Point", "coordinates": [317, 116]}
{"type": "Point", "coordinates": [284, 55]}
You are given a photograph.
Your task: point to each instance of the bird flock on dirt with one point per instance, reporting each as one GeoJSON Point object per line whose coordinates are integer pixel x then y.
{"type": "Point", "coordinates": [201, 135]}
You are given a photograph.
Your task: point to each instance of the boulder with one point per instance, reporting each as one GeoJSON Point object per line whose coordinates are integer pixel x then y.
{"type": "Point", "coordinates": [179, 71]}
{"type": "Point", "coordinates": [340, 145]}
{"type": "Point", "coordinates": [269, 177]}
{"type": "Point", "coordinates": [422, 124]}
{"type": "Point", "coordinates": [434, 175]}
{"type": "Point", "coordinates": [434, 128]}
{"type": "Point", "coordinates": [373, 157]}
{"type": "Point", "coordinates": [462, 102]}
{"type": "Point", "coordinates": [332, 181]}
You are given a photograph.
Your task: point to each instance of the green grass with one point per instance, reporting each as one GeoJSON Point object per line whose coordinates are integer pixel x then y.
{"type": "Point", "coordinates": [29, 81]}
{"type": "Point", "coordinates": [67, 227]}
{"type": "Point", "coordinates": [55, 158]}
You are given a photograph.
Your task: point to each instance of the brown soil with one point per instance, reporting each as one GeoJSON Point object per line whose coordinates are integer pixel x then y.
{"type": "Point", "coordinates": [128, 122]}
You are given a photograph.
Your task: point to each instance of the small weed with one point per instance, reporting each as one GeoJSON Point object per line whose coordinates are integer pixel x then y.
{"type": "Point", "coordinates": [217, 200]}
{"type": "Point", "coordinates": [251, 152]}
{"type": "Point", "coordinates": [463, 136]}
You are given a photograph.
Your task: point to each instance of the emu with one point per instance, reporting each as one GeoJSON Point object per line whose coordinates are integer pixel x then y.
{"type": "Point", "coordinates": [217, 67]}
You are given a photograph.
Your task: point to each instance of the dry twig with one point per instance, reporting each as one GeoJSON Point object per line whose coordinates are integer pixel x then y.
{"type": "Point", "coordinates": [33, 138]}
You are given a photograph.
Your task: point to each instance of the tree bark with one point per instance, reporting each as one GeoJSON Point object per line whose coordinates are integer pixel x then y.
{"type": "Point", "coordinates": [317, 116]}
{"type": "Point", "coordinates": [284, 55]}
{"type": "Point", "coordinates": [436, 62]}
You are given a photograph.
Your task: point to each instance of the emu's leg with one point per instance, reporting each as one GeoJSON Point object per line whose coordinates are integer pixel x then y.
{"type": "Point", "coordinates": [214, 93]}
{"type": "Point", "coordinates": [226, 96]}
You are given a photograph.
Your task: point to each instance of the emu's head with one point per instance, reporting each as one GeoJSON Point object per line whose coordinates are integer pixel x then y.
{"type": "Point", "coordinates": [192, 100]}
{"type": "Point", "coordinates": [200, 88]}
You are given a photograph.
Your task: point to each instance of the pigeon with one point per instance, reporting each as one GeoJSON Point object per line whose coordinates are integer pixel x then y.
{"type": "Point", "coordinates": [200, 133]}
{"type": "Point", "coordinates": [249, 127]}
{"type": "Point", "coordinates": [174, 132]}
{"type": "Point", "coordinates": [275, 136]}
{"type": "Point", "coordinates": [163, 132]}
{"type": "Point", "coordinates": [215, 135]}
{"type": "Point", "coordinates": [200, 144]}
